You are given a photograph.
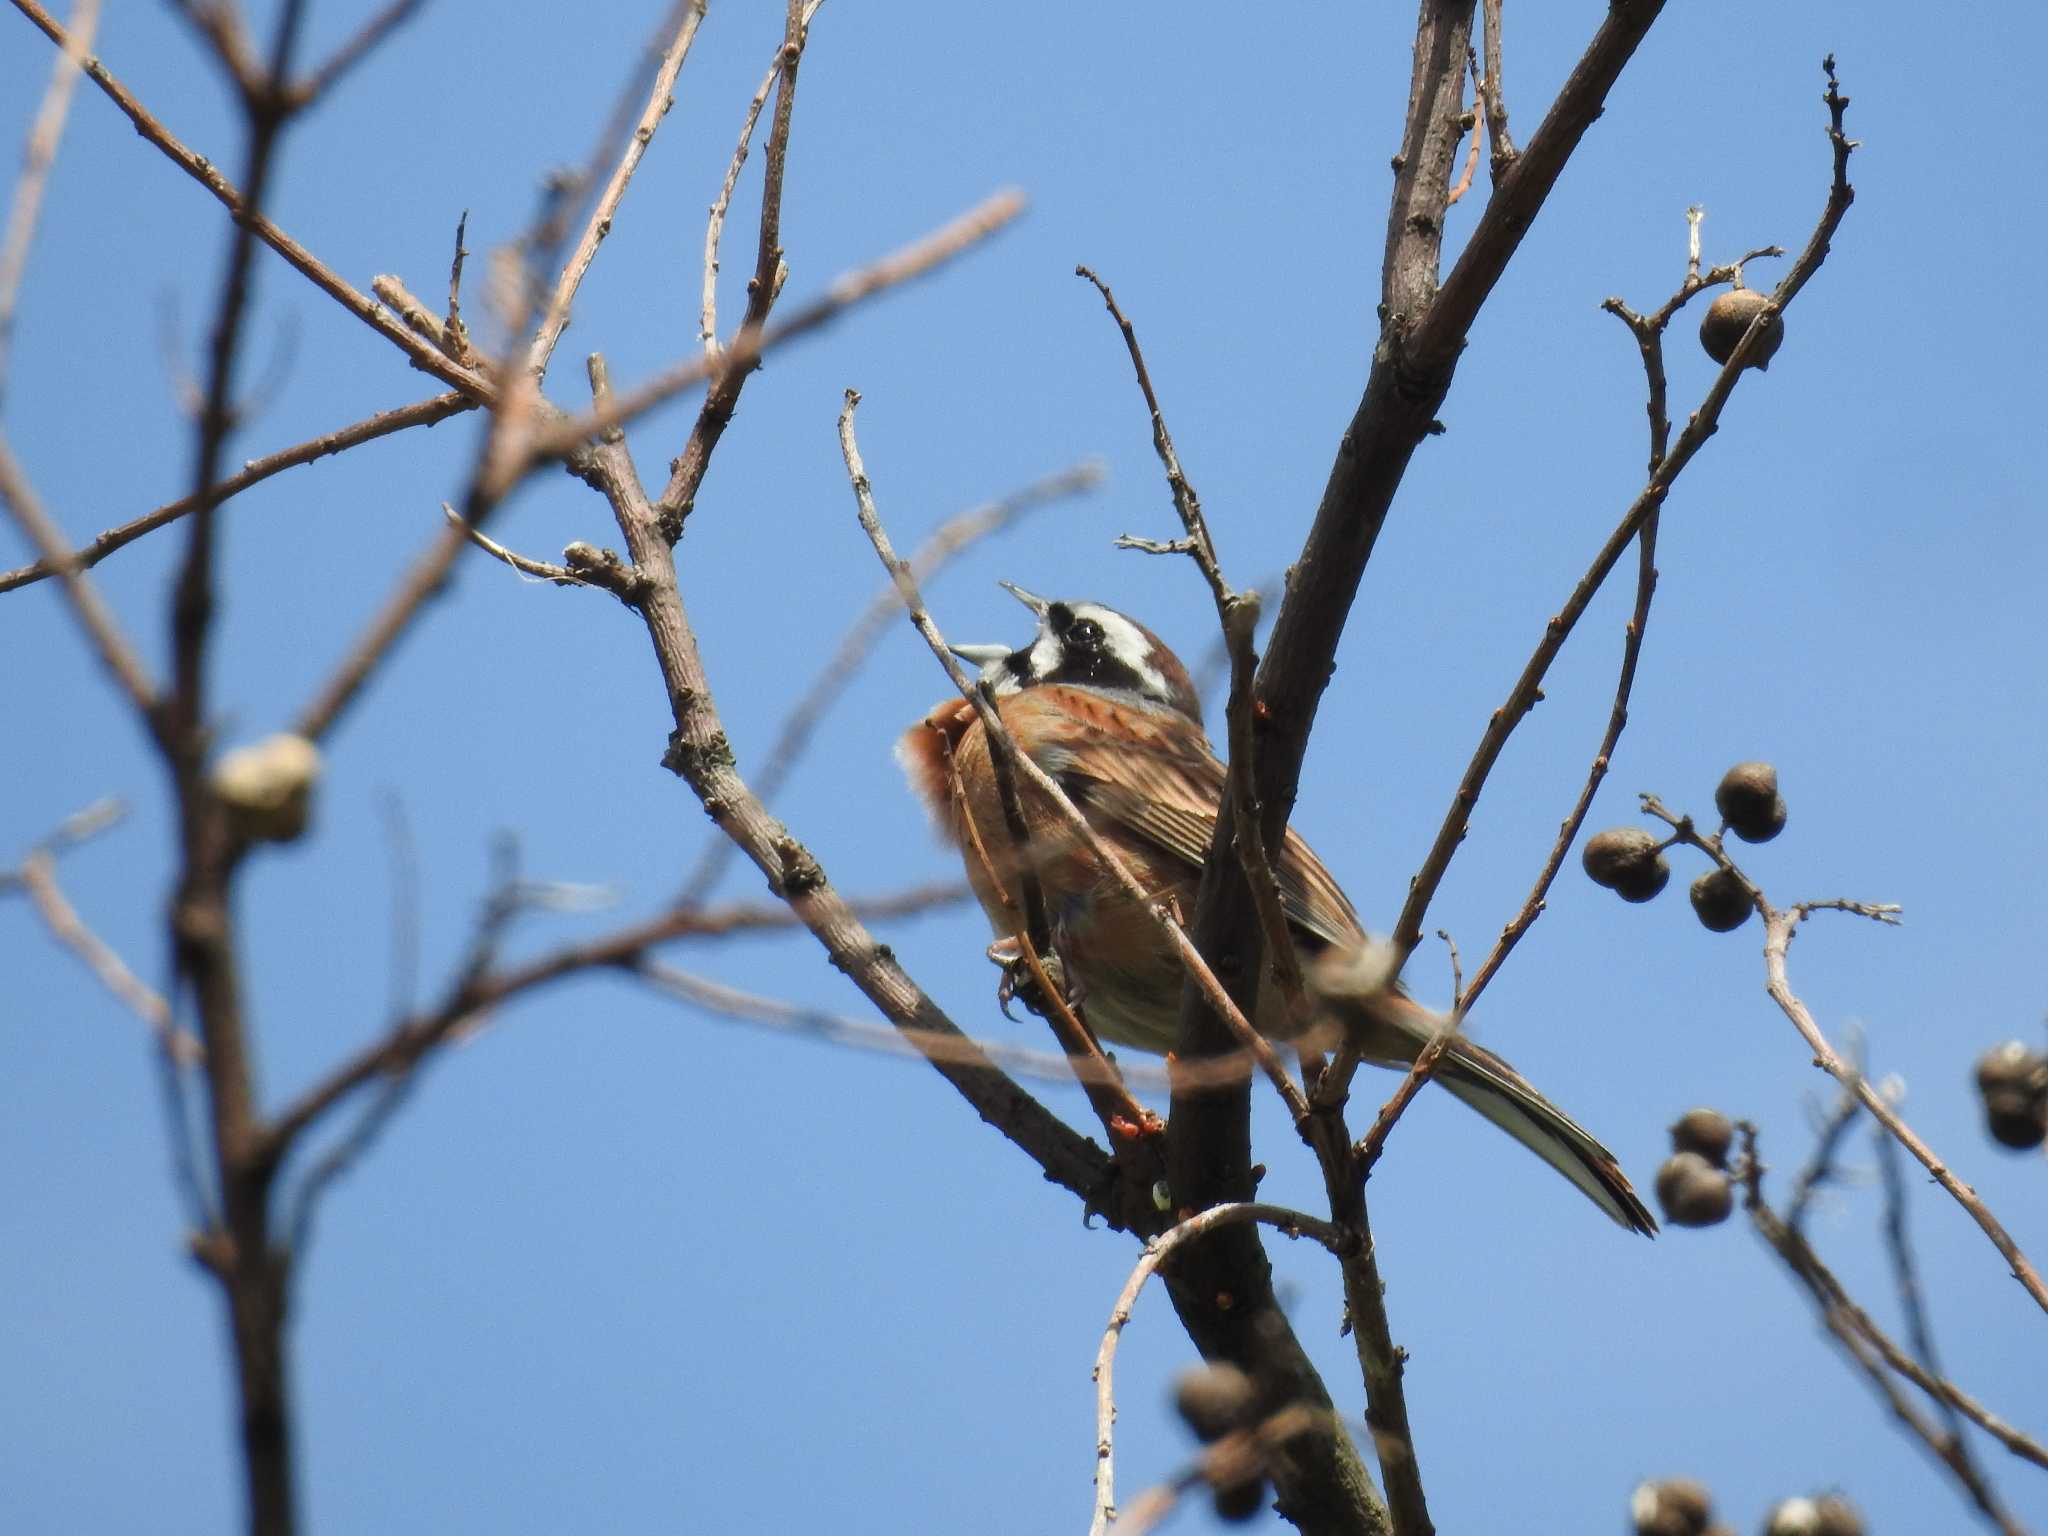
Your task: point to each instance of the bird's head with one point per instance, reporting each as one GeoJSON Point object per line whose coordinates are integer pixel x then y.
{"type": "Point", "coordinates": [1085, 645]}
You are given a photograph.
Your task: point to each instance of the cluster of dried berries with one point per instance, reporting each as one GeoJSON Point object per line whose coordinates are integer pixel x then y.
{"type": "Point", "coordinates": [1694, 1187]}
{"type": "Point", "coordinates": [2013, 1083]}
{"type": "Point", "coordinates": [1217, 1400]}
{"type": "Point", "coordinates": [1630, 862]}
{"type": "Point", "coordinates": [1678, 1506]}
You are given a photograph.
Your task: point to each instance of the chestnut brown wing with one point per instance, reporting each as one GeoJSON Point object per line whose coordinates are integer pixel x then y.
{"type": "Point", "coordinates": [1161, 782]}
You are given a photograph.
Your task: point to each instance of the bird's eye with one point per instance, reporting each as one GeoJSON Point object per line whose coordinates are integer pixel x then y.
{"type": "Point", "coordinates": [1085, 635]}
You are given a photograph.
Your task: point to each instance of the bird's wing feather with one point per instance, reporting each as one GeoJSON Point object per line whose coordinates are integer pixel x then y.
{"type": "Point", "coordinates": [1165, 789]}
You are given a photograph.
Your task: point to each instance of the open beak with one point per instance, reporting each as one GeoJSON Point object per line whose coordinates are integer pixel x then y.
{"type": "Point", "coordinates": [980, 655]}
{"type": "Point", "coordinates": [1030, 600]}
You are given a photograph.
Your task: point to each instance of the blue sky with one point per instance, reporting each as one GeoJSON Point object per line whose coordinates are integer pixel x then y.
{"type": "Point", "coordinates": [621, 1266]}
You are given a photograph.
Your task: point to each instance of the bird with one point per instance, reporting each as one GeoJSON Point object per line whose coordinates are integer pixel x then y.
{"type": "Point", "coordinates": [1100, 703]}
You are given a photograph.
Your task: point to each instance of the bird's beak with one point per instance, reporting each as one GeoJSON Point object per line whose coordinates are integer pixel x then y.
{"type": "Point", "coordinates": [1030, 600]}
{"type": "Point", "coordinates": [980, 655]}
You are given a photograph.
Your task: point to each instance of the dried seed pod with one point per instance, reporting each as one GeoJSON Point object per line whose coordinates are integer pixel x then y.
{"type": "Point", "coordinates": [2013, 1083]}
{"type": "Point", "coordinates": [1720, 902]}
{"type": "Point", "coordinates": [1693, 1192]}
{"type": "Point", "coordinates": [1676, 1506]}
{"type": "Point", "coordinates": [1626, 861]}
{"type": "Point", "coordinates": [1705, 1131]}
{"type": "Point", "coordinates": [1749, 802]}
{"type": "Point", "coordinates": [1728, 319]}
{"type": "Point", "coordinates": [1214, 1400]}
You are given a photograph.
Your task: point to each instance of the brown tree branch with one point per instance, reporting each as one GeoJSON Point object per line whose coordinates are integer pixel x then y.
{"type": "Point", "coordinates": [425, 356]}
{"type": "Point", "coordinates": [421, 413]}
{"type": "Point", "coordinates": [1237, 616]}
{"type": "Point", "coordinates": [1872, 1350]}
{"type": "Point", "coordinates": [1701, 426]}
{"type": "Point", "coordinates": [1781, 925]}
{"type": "Point", "coordinates": [1161, 1249]}
{"type": "Point", "coordinates": [949, 540]}
{"type": "Point", "coordinates": [365, 41]}
{"type": "Point", "coordinates": [45, 134]}
{"type": "Point", "coordinates": [678, 498]}
{"type": "Point", "coordinates": [36, 876]}
{"type": "Point", "coordinates": [101, 628]}
{"type": "Point", "coordinates": [661, 96]}
{"type": "Point", "coordinates": [1492, 100]}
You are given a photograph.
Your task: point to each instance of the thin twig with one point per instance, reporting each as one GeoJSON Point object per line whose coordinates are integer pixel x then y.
{"type": "Point", "coordinates": [911, 261]}
{"type": "Point", "coordinates": [688, 16]}
{"type": "Point", "coordinates": [1780, 927]}
{"type": "Point", "coordinates": [1820, 1165]}
{"type": "Point", "coordinates": [1501, 159]}
{"type": "Point", "coordinates": [116, 654]}
{"type": "Point", "coordinates": [1872, 1349]}
{"type": "Point", "coordinates": [37, 877]}
{"type": "Point", "coordinates": [1649, 338]}
{"type": "Point", "coordinates": [321, 80]}
{"type": "Point", "coordinates": [535, 570]}
{"type": "Point", "coordinates": [1238, 1454]}
{"type": "Point", "coordinates": [1702, 425]}
{"type": "Point", "coordinates": [41, 154]}
{"type": "Point", "coordinates": [424, 354]}
{"type": "Point", "coordinates": [421, 413]}
{"type": "Point", "coordinates": [479, 988]}
{"type": "Point", "coordinates": [1237, 615]}
{"type": "Point", "coordinates": [951, 539]}
{"type": "Point", "coordinates": [1464, 181]}
{"type": "Point", "coordinates": [1294, 1224]}
{"type": "Point", "coordinates": [1905, 1277]}
{"type": "Point", "coordinates": [714, 228]}
{"type": "Point", "coordinates": [841, 1029]}
{"type": "Point", "coordinates": [741, 358]}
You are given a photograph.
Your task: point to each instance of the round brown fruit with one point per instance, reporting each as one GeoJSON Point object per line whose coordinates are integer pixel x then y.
{"type": "Point", "coordinates": [1705, 1131]}
{"type": "Point", "coordinates": [1749, 802]}
{"type": "Point", "coordinates": [1719, 901]}
{"type": "Point", "coordinates": [1727, 321]}
{"type": "Point", "coordinates": [1693, 1192]}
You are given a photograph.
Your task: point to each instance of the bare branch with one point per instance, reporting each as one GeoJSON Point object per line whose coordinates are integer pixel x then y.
{"type": "Point", "coordinates": [1492, 99]}
{"type": "Point", "coordinates": [421, 413]}
{"type": "Point", "coordinates": [43, 138]}
{"type": "Point", "coordinates": [424, 354]}
{"type": "Point", "coordinates": [689, 16]}
{"type": "Point", "coordinates": [304, 93]}
{"type": "Point", "coordinates": [1295, 1224]}
{"type": "Point", "coordinates": [1872, 1350]}
{"type": "Point", "coordinates": [714, 228]}
{"type": "Point", "coordinates": [37, 877]}
{"type": "Point", "coordinates": [1780, 927]}
{"type": "Point", "coordinates": [1702, 425]}
{"type": "Point", "coordinates": [116, 654]}
{"type": "Point", "coordinates": [1237, 615]}
{"type": "Point", "coordinates": [679, 497]}
{"type": "Point", "coordinates": [952, 538]}
{"type": "Point", "coordinates": [534, 570]}
{"type": "Point", "coordinates": [912, 261]}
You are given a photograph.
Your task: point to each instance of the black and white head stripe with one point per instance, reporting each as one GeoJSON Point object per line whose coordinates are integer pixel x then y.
{"type": "Point", "coordinates": [1085, 645]}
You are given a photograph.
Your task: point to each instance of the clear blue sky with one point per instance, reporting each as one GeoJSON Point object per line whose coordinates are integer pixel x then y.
{"type": "Point", "coordinates": [619, 1266]}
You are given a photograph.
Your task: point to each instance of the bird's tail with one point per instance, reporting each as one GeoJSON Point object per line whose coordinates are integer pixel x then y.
{"type": "Point", "coordinates": [1505, 1097]}
{"type": "Point", "coordinates": [1392, 1028]}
